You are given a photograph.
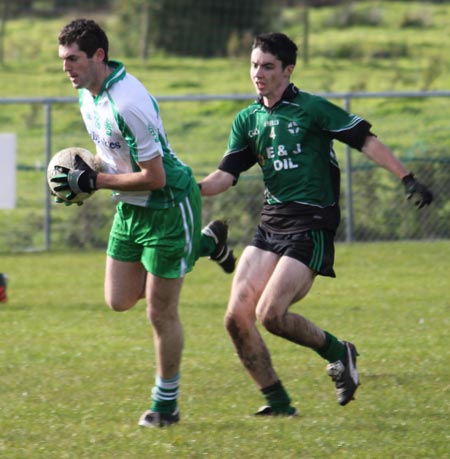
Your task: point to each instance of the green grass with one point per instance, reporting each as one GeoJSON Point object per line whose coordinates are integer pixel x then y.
{"type": "Point", "coordinates": [76, 376]}
{"type": "Point", "coordinates": [342, 59]}
{"type": "Point", "coordinates": [198, 131]}
{"type": "Point", "coordinates": [32, 67]}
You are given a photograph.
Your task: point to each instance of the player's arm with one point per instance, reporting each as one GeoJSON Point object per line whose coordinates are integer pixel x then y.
{"type": "Point", "coordinates": [151, 176]}
{"type": "Point", "coordinates": [378, 152]}
{"type": "Point", "coordinates": [227, 174]}
{"type": "Point", "coordinates": [216, 182]}
{"type": "Point", "coordinates": [83, 179]}
{"type": "Point", "coordinates": [375, 150]}
{"type": "Point", "coordinates": [360, 137]}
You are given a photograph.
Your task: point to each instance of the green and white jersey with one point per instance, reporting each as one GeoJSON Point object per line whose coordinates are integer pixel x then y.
{"type": "Point", "coordinates": [125, 124]}
{"type": "Point", "coordinates": [293, 144]}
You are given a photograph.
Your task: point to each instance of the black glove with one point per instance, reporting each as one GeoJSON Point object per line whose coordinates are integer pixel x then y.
{"type": "Point", "coordinates": [82, 179]}
{"type": "Point", "coordinates": [414, 187]}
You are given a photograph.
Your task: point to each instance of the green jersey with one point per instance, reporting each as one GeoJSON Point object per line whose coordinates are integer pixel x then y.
{"type": "Point", "coordinates": [293, 144]}
{"type": "Point", "coordinates": [124, 122]}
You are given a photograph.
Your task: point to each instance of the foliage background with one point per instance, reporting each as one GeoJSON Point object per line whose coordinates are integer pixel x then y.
{"type": "Point", "coordinates": [75, 376]}
{"type": "Point", "coordinates": [359, 47]}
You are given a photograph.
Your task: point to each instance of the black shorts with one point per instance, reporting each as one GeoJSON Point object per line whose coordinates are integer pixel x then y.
{"type": "Point", "coordinates": [314, 248]}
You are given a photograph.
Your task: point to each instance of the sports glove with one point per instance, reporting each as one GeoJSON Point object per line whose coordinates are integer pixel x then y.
{"type": "Point", "coordinates": [82, 179]}
{"type": "Point", "coordinates": [59, 200]}
{"type": "Point", "coordinates": [414, 187]}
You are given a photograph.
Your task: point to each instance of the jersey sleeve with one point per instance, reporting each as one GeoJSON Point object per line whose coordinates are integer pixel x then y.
{"type": "Point", "coordinates": [340, 124]}
{"type": "Point", "coordinates": [238, 157]}
{"type": "Point", "coordinates": [141, 130]}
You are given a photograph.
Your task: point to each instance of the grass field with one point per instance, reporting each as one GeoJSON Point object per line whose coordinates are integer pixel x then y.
{"type": "Point", "coordinates": [75, 376]}
{"type": "Point", "coordinates": [198, 131]}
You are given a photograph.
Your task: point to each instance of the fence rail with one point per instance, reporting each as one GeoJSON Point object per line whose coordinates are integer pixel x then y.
{"type": "Point", "coordinates": [432, 152]}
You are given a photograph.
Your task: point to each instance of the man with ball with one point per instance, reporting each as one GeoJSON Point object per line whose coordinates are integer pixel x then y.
{"type": "Point", "coordinates": [156, 234]}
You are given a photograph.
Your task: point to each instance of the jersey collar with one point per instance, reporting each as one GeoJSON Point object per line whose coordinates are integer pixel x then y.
{"type": "Point", "coordinates": [116, 75]}
{"type": "Point", "coordinates": [289, 94]}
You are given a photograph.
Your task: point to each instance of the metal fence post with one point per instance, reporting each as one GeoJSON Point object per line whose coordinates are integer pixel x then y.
{"type": "Point", "coordinates": [48, 152]}
{"type": "Point", "coordinates": [348, 186]}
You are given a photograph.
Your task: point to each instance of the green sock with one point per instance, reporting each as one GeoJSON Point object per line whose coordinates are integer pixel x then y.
{"type": "Point", "coordinates": [277, 397]}
{"type": "Point", "coordinates": [333, 349]}
{"type": "Point", "coordinates": [164, 406]}
{"type": "Point", "coordinates": [207, 246]}
{"type": "Point", "coordinates": [165, 394]}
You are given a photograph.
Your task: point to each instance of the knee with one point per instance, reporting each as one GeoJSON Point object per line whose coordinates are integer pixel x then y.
{"type": "Point", "coordinates": [236, 328]}
{"type": "Point", "coordinates": [155, 319]}
{"type": "Point", "coordinates": [271, 321]}
{"type": "Point", "coordinates": [118, 306]}
{"type": "Point", "coordinates": [162, 319]}
{"type": "Point", "coordinates": [230, 322]}
{"type": "Point", "coordinates": [240, 315]}
{"type": "Point", "coordinates": [235, 323]}
{"type": "Point", "coordinates": [119, 298]}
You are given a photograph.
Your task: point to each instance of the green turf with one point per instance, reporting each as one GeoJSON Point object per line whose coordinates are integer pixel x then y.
{"type": "Point", "coordinates": [75, 376]}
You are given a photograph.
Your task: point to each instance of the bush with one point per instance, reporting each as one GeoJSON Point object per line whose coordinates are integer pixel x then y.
{"type": "Point", "coordinates": [350, 15]}
{"type": "Point", "coordinates": [416, 19]}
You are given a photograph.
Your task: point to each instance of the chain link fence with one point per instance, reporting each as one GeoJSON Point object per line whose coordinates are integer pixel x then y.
{"type": "Point", "coordinates": [373, 204]}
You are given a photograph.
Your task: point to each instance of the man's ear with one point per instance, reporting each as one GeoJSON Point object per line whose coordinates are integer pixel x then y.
{"type": "Point", "coordinates": [99, 55]}
{"type": "Point", "coordinates": [289, 69]}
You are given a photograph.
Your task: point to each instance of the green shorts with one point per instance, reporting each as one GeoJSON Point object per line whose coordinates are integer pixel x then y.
{"type": "Point", "coordinates": [166, 241]}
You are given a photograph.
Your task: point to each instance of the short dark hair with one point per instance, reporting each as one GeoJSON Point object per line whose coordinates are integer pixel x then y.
{"type": "Point", "coordinates": [87, 34]}
{"type": "Point", "coordinates": [278, 44]}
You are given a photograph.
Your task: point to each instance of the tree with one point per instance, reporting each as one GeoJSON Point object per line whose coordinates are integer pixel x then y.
{"type": "Point", "coordinates": [204, 27]}
{"type": "Point", "coordinates": [200, 28]}
{"type": "Point", "coordinates": [4, 14]}
{"type": "Point", "coordinates": [305, 21]}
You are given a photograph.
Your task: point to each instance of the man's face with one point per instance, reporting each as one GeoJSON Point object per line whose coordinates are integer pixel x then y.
{"type": "Point", "coordinates": [81, 70]}
{"type": "Point", "coordinates": [268, 76]}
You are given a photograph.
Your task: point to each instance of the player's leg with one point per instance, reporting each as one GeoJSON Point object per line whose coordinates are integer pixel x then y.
{"type": "Point", "coordinates": [124, 283]}
{"type": "Point", "coordinates": [253, 272]}
{"type": "Point", "coordinates": [290, 282]}
{"type": "Point", "coordinates": [125, 275]}
{"type": "Point", "coordinates": [162, 309]}
{"type": "Point", "coordinates": [214, 243]}
{"type": "Point", "coordinates": [171, 252]}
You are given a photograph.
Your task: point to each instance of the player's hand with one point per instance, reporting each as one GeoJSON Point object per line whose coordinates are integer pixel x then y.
{"type": "Point", "coordinates": [59, 200]}
{"type": "Point", "coordinates": [82, 179]}
{"type": "Point", "coordinates": [413, 188]}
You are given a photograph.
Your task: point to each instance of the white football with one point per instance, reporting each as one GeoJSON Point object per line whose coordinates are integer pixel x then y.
{"type": "Point", "coordinates": [66, 158]}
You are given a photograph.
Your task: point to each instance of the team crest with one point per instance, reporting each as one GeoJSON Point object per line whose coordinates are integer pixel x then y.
{"type": "Point", "coordinates": [108, 127]}
{"type": "Point", "coordinates": [153, 133]}
{"type": "Point", "coordinates": [293, 128]}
